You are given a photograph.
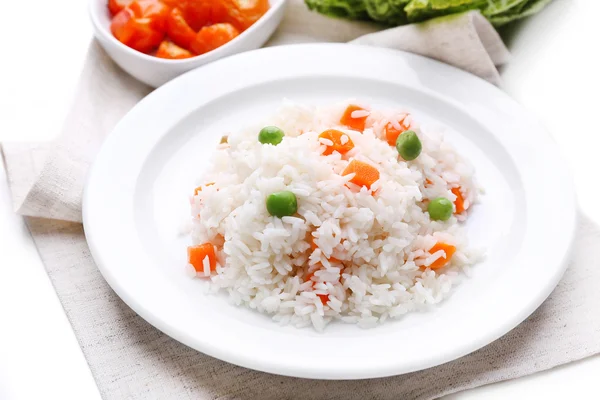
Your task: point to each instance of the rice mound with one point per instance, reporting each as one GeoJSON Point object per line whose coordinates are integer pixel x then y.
{"type": "Point", "coordinates": [370, 253]}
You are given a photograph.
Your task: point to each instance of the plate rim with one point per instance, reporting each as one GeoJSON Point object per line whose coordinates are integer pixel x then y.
{"type": "Point", "coordinates": [87, 209]}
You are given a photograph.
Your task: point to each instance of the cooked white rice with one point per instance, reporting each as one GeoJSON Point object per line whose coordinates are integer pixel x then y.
{"type": "Point", "coordinates": [382, 236]}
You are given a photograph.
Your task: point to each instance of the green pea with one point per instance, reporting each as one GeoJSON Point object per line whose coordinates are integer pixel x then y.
{"type": "Point", "coordinates": [282, 204]}
{"type": "Point", "coordinates": [408, 145]}
{"type": "Point", "coordinates": [270, 135]}
{"type": "Point", "coordinates": [440, 209]}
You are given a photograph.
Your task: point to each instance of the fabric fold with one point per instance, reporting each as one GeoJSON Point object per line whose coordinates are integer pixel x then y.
{"type": "Point", "coordinates": [472, 44]}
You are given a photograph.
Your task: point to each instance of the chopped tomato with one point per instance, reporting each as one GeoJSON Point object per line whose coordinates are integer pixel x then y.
{"type": "Point", "coordinates": [211, 37]}
{"type": "Point", "coordinates": [197, 255]}
{"type": "Point", "coordinates": [137, 33]}
{"type": "Point", "coordinates": [459, 203]}
{"type": "Point", "coordinates": [200, 13]}
{"type": "Point", "coordinates": [115, 6]}
{"type": "Point", "coordinates": [243, 13]}
{"type": "Point", "coordinates": [178, 29]}
{"type": "Point", "coordinates": [392, 133]}
{"type": "Point", "coordinates": [197, 14]}
{"type": "Point", "coordinates": [170, 50]}
{"type": "Point", "coordinates": [198, 26]}
{"type": "Point", "coordinates": [358, 123]}
{"type": "Point", "coordinates": [154, 10]}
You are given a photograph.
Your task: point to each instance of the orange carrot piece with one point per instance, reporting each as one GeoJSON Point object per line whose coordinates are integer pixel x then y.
{"type": "Point", "coordinates": [442, 261]}
{"type": "Point", "coordinates": [357, 124]}
{"type": "Point", "coordinates": [336, 137]}
{"type": "Point", "coordinates": [365, 174]}
{"type": "Point", "coordinates": [313, 247]}
{"type": "Point", "coordinates": [324, 297]}
{"type": "Point", "coordinates": [199, 188]}
{"type": "Point", "coordinates": [197, 255]}
{"type": "Point", "coordinates": [459, 203]}
{"type": "Point", "coordinates": [309, 276]}
{"type": "Point", "coordinates": [391, 133]}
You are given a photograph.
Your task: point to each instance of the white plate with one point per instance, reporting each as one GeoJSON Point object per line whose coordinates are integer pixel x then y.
{"type": "Point", "coordinates": [137, 197]}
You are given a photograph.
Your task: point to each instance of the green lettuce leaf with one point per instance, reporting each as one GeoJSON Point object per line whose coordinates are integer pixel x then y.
{"type": "Point", "coordinates": [350, 9]}
{"type": "Point", "coordinates": [390, 12]}
{"type": "Point", "coordinates": [421, 10]}
{"type": "Point", "coordinates": [400, 12]}
{"type": "Point", "coordinates": [503, 6]}
{"type": "Point", "coordinates": [527, 9]}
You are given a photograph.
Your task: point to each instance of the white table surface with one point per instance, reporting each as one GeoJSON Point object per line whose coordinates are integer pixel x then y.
{"type": "Point", "coordinates": [554, 73]}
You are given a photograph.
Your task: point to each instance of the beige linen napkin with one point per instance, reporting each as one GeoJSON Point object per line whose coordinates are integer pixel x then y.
{"type": "Point", "coordinates": [131, 359]}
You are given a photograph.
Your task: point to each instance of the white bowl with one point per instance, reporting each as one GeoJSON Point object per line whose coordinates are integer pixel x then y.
{"type": "Point", "coordinates": [155, 71]}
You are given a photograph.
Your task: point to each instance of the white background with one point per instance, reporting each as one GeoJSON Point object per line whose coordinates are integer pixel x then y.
{"type": "Point", "coordinates": [554, 73]}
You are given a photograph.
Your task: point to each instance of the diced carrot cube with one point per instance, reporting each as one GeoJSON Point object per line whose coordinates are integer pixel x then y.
{"type": "Point", "coordinates": [340, 142]}
{"type": "Point", "coordinates": [197, 255]}
{"type": "Point", "coordinates": [459, 203]}
{"type": "Point", "coordinates": [365, 174]}
{"type": "Point", "coordinates": [324, 298]}
{"type": "Point", "coordinates": [449, 251]}
{"type": "Point", "coordinates": [357, 124]}
{"type": "Point", "coordinates": [392, 133]}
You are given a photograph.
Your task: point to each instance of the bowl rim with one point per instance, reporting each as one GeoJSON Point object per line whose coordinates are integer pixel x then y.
{"type": "Point", "coordinates": [99, 29]}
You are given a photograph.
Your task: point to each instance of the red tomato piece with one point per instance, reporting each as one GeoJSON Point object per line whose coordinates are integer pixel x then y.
{"type": "Point", "coordinates": [115, 6]}
{"type": "Point", "coordinates": [200, 13]}
{"type": "Point", "coordinates": [136, 33]}
{"type": "Point", "coordinates": [120, 25]}
{"type": "Point", "coordinates": [213, 36]}
{"type": "Point", "coordinates": [156, 11]}
{"type": "Point", "coordinates": [178, 29]}
{"type": "Point", "coordinates": [243, 13]}
{"type": "Point", "coordinates": [171, 51]}
{"type": "Point", "coordinates": [141, 25]}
